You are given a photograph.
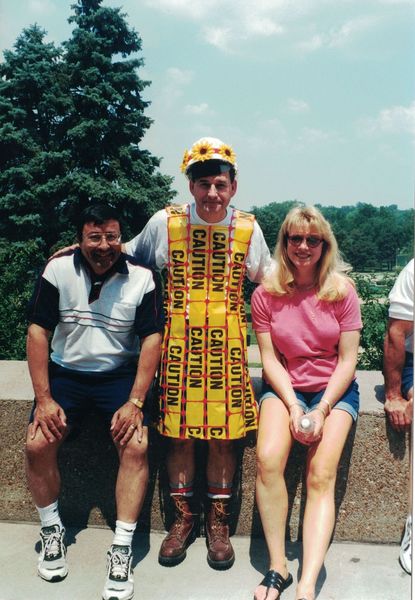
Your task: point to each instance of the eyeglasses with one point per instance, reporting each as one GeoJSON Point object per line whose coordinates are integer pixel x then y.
{"type": "Point", "coordinates": [311, 240]}
{"type": "Point", "coordinates": [94, 239]}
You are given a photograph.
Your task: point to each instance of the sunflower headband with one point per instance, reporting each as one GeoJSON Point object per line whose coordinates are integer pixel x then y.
{"type": "Point", "coordinates": [208, 149]}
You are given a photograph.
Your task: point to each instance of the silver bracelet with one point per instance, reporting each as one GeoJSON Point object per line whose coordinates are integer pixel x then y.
{"type": "Point", "coordinates": [323, 412]}
{"type": "Point", "coordinates": [328, 404]}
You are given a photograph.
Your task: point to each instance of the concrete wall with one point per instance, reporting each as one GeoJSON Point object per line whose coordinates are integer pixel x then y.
{"type": "Point", "coordinates": [371, 492]}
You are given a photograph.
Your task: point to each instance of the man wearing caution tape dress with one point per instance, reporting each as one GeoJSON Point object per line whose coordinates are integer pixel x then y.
{"type": "Point", "coordinates": [205, 389]}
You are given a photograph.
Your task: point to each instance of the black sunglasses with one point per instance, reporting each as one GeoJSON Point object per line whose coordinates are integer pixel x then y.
{"type": "Point", "coordinates": [312, 241]}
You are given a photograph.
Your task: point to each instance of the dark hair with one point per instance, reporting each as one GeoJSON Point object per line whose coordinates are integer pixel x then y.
{"type": "Point", "coordinates": [210, 167]}
{"type": "Point", "coordinates": [97, 214]}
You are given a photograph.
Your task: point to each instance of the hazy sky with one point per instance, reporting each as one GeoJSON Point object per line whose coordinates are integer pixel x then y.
{"type": "Point", "coordinates": [316, 97]}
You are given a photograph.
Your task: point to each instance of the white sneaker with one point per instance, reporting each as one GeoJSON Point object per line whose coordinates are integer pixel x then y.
{"type": "Point", "coordinates": [120, 583]}
{"type": "Point", "coordinates": [405, 554]}
{"type": "Point", "coordinates": [52, 564]}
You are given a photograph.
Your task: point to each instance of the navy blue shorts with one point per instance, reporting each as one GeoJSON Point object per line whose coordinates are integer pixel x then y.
{"type": "Point", "coordinates": [79, 392]}
{"type": "Point", "coordinates": [349, 401]}
{"type": "Point", "coordinates": [408, 374]}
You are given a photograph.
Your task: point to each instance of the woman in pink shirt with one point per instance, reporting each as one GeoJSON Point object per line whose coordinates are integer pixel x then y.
{"type": "Point", "coordinates": [307, 320]}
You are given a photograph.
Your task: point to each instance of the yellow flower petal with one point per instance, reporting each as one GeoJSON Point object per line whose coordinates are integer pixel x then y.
{"type": "Point", "coordinates": [227, 153]}
{"type": "Point", "coordinates": [185, 161]}
{"type": "Point", "coordinates": [202, 151]}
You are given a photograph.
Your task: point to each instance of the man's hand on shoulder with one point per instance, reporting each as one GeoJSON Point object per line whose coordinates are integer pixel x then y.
{"type": "Point", "coordinates": [62, 251]}
{"type": "Point", "coordinates": [50, 418]}
{"type": "Point", "coordinates": [126, 421]}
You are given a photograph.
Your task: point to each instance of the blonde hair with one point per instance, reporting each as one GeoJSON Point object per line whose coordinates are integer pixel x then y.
{"type": "Point", "coordinates": [331, 277]}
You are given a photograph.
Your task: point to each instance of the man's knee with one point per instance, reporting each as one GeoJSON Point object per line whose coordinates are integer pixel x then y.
{"type": "Point", "coordinates": [39, 448]}
{"type": "Point", "coordinates": [135, 451]}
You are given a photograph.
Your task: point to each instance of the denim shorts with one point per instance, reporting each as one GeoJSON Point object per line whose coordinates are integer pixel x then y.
{"type": "Point", "coordinates": [408, 374]}
{"type": "Point", "coordinates": [79, 392]}
{"type": "Point", "coordinates": [349, 401]}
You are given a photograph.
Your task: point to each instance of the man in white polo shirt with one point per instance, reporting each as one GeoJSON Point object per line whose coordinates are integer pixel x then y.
{"type": "Point", "coordinates": [398, 368]}
{"type": "Point", "coordinates": [102, 306]}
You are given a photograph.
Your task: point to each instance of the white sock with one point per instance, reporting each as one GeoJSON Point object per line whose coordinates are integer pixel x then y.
{"type": "Point", "coordinates": [124, 533]}
{"type": "Point", "coordinates": [49, 515]}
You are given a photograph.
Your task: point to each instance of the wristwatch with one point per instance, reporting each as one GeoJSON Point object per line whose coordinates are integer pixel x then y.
{"type": "Point", "coordinates": [138, 402]}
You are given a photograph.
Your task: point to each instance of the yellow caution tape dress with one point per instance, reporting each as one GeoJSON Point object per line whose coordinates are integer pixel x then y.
{"type": "Point", "coordinates": [205, 388]}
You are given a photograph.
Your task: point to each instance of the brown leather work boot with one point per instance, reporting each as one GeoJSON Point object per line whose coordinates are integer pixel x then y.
{"type": "Point", "coordinates": [181, 534]}
{"type": "Point", "coordinates": [220, 552]}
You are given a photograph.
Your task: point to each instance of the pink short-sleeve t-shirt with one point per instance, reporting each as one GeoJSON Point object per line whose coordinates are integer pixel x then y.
{"type": "Point", "coordinates": [306, 332]}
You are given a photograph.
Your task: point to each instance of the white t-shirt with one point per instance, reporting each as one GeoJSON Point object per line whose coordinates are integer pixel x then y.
{"type": "Point", "coordinates": [150, 246]}
{"type": "Point", "coordinates": [401, 299]}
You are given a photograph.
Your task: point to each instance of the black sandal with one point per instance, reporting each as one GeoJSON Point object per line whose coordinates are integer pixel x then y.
{"type": "Point", "coordinates": [276, 581]}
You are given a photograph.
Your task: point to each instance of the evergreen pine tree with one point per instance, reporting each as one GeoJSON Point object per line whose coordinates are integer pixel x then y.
{"type": "Point", "coordinates": [107, 124]}
{"type": "Point", "coordinates": [71, 128]}
{"type": "Point", "coordinates": [33, 160]}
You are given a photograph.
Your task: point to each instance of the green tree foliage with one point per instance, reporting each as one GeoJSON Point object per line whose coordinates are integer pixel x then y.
{"type": "Point", "coordinates": [33, 102]}
{"type": "Point", "coordinates": [71, 126]}
{"type": "Point", "coordinates": [374, 310]}
{"type": "Point", "coordinates": [369, 237]}
{"type": "Point", "coordinates": [270, 218]}
{"type": "Point", "coordinates": [72, 121]}
{"type": "Point", "coordinates": [107, 123]}
{"type": "Point", "coordinates": [19, 263]}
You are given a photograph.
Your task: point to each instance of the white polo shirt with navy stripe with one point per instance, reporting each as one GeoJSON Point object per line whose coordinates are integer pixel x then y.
{"type": "Point", "coordinates": [97, 320]}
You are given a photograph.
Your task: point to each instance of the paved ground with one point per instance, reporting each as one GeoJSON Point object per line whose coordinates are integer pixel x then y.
{"type": "Point", "coordinates": [254, 355]}
{"type": "Point", "coordinates": [351, 571]}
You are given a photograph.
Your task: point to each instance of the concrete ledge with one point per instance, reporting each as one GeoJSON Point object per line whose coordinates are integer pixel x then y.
{"type": "Point", "coordinates": [371, 490]}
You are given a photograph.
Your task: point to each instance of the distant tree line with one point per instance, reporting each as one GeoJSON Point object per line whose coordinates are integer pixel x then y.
{"type": "Point", "coordinates": [369, 237]}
